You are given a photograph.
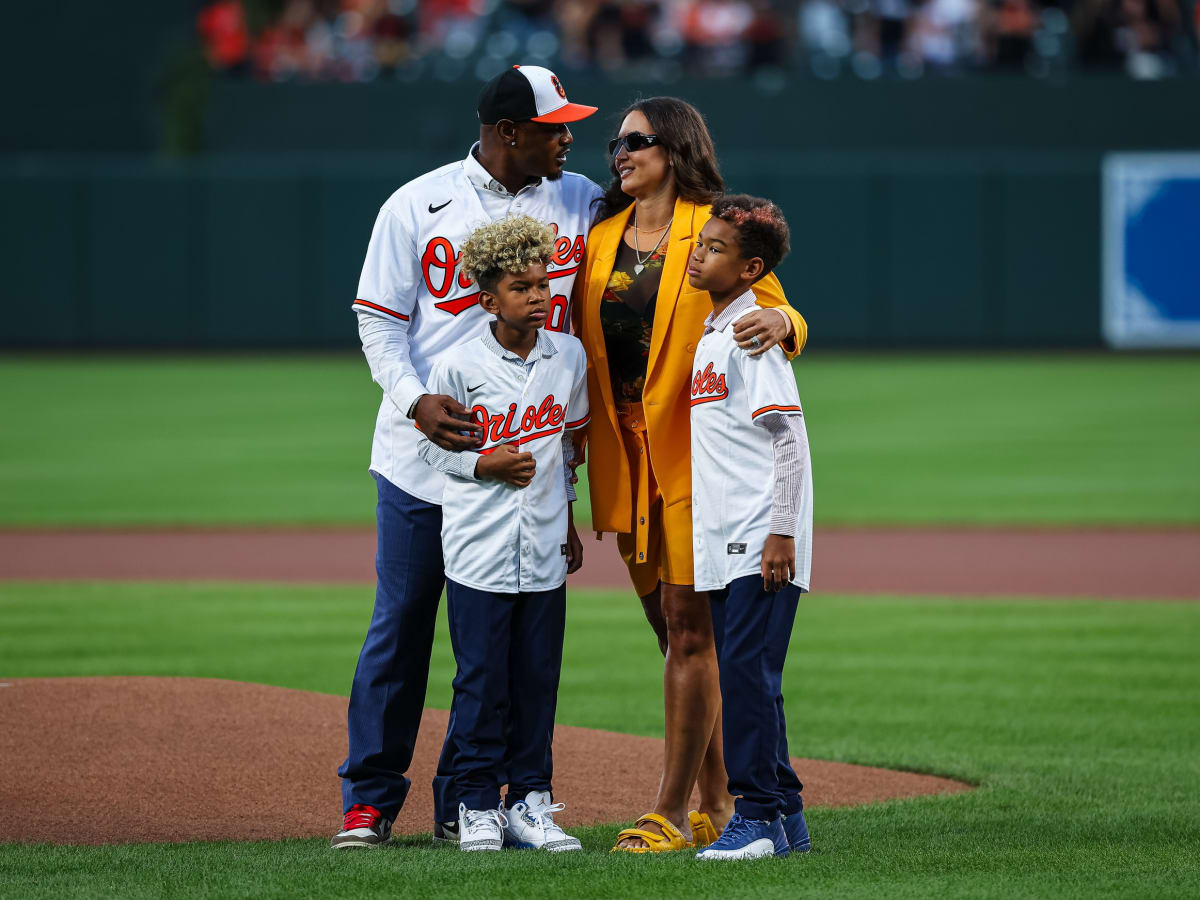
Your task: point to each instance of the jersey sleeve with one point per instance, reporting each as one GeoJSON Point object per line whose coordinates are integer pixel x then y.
{"type": "Point", "coordinates": [578, 412]}
{"type": "Point", "coordinates": [774, 405]}
{"type": "Point", "coordinates": [769, 383]}
{"type": "Point", "coordinates": [387, 292]}
{"type": "Point", "coordinates": [391, 271]}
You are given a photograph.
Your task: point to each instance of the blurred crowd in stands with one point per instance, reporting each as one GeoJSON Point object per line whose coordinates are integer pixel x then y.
{"type": "Point", "coordinates": [361, 40]}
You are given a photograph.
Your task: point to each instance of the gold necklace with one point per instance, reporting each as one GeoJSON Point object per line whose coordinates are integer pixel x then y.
{"type": "Point", "coordinates": [641, 263]}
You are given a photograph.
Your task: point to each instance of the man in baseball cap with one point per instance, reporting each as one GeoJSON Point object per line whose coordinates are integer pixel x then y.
{"type": "Point", "coordinates": [414, 303]}
{"type": "Point", "coordinates": [528, 94]}
{"type": "Point", "coordinates": [523, 133]}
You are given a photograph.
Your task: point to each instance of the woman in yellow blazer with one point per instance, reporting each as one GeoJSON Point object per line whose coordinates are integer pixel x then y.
{"type": "Point", "coordinates": [639, 321]}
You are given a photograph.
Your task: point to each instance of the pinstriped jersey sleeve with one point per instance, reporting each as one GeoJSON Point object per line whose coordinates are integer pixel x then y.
{"type": "Point", "coordinates": [789, 448]}
{"type": "Point", "coordinates": [568, 456]}
{"type": "Point", "coordinates": [773, 403]}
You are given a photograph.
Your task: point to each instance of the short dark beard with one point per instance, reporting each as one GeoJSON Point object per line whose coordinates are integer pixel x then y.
{"type": "Point", "coordinates": [558, 176]}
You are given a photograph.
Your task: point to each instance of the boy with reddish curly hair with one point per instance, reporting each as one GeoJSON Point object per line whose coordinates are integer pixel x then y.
{"type": "Point", "coordinates": [752, 524]}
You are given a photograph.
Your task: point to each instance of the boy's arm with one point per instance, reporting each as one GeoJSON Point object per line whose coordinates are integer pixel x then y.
{"type": "Point", "coordinates": [789, 468]}
{"type": "Point", "coordinates": [578, 415]}
{"type": "Point", "coordinates": [789, 447]}
{"type": "Point", "coordinates": [774, 405]}
{"type": "Point", "coordinates": [568, 456]}
{"type": "Point", "coordinates": [574, 544]}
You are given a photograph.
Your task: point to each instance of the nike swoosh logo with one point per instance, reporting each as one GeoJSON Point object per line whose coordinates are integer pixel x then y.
{"type": "Point", "coordinates": [472, 390]}
{"type": "Point", "coordinates": [434, 209]}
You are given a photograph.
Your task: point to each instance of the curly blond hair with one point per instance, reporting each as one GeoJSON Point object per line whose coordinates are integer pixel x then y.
{"type": "Point", "coordinates": [509, 245]}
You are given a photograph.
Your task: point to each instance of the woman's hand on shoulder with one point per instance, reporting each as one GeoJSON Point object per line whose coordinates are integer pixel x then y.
{"type": "Point", "coordinates": [760, 330]}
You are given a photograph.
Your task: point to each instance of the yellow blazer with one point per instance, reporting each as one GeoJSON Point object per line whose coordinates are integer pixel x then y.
{"type": "Point", "coordinates": [678, 324]}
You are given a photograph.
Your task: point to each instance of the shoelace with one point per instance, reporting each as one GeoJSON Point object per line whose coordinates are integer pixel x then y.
{"type": "Point", "coordinates": [361, 816]}
{"type": "Point", "coordinates": [475, 816]}
{"type": "Point", "coordinates": [737, 828]}
{"type": "Point", "coordinates": [544, 818]}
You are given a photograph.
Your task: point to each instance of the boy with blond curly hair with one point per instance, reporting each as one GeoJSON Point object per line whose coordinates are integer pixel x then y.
{"type": "Point", "coordinates": [507, 539]}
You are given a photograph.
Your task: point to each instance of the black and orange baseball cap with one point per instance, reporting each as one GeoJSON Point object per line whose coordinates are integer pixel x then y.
{"type": "Point", "coordinates": [528, 93]}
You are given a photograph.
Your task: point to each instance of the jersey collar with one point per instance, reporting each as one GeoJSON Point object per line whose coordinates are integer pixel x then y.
{"type": "Point", "coordinates": [543, 346]}
{"type": "Point", "coordinates": [482, 178]}
{"type": "Point", "coordinates": [734, 310]}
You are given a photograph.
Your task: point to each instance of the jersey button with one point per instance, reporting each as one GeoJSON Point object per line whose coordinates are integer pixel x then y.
{"type": "Point", "coordinates": [691, 348]}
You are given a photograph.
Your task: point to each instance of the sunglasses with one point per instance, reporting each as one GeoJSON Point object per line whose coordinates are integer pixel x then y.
{"type": "Point", "coordinates": [632, 142]}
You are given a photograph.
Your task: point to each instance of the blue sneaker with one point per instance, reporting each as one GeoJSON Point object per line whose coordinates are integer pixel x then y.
{"type": "Point", "coordinates": [796, 830]}
{"type": "Point", "coordinates": [748, 839]}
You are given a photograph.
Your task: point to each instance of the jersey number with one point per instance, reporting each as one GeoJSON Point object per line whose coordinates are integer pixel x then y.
{"type": "Point", "coordinates": [557, 319]}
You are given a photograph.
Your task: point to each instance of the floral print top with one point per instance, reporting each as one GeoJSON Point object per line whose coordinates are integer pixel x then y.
{"type": "Point", "coordinates": [627, 319]}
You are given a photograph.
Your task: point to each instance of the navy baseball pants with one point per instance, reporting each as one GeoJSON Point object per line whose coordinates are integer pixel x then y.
{"type": "Point", "coordinates": [509, 653]}
{"type": "Point", "coordinates": [388, 693]}
{"type": "Point", "coordinates": [752, 628]}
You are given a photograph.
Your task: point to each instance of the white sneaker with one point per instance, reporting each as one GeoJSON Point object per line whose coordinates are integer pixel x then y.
{"type": "Point", "coordinates": [531, 826]}
{"type": "Point", "coordinates": [480, 829]}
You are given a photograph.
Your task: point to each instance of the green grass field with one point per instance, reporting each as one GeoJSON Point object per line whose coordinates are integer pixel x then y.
{"type": "Point", "coordinates": [1054, 440]}
{"type": "Point", "coordinates": [1079, 722]}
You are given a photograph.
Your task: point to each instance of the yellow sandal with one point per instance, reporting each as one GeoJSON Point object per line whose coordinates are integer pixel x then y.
{"type": "Point", "coordinates": [703, 830]}
{"type": "Point", "coordinates": [671, 838]}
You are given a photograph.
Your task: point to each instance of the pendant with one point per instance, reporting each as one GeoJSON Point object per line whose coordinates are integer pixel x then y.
{"type": "Point", "coordinates": [637, 269]}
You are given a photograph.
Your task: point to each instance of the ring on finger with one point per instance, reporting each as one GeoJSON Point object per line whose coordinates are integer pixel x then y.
{"type": "Point", "coordinates": [754, 341]}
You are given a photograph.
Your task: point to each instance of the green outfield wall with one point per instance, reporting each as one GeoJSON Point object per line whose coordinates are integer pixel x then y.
{"type": "Point", "coordinates": [264, 251]}
{"type": "Point", "coordinates": [956, 212]}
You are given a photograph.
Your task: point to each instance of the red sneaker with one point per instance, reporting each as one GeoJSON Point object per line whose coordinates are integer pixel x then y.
{"type": "Point", "coordinates": [363, 826]}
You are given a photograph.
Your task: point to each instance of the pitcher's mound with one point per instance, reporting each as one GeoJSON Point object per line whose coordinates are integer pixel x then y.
{"type": "Point", "coordinates": [115, 760]}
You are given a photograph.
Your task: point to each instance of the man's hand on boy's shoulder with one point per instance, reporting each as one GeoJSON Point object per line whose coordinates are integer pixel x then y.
{"type": "Point", "coordinates": [778, 561]}
{"type": "Point", "coordinates": [444, 420]}
{"type": "Point", "coordinates": [508, 464]}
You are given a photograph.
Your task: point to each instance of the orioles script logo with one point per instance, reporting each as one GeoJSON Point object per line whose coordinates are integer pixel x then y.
{"type": "Point", "coordinates": [440, 269]}
{"type": "Point", "coordinates": [537, 421]}
{"type": "Point", "coordinates": [708, 386]}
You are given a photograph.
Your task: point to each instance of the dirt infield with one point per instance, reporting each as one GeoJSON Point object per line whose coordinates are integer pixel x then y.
{"type": "Point", "coordinates": [187, 759]}
{"type": "Point", "coordinates": [1129, 564]}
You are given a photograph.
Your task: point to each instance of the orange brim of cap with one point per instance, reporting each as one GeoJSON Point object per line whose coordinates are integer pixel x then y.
{"type": "Point", "coordinates": [568, 112]}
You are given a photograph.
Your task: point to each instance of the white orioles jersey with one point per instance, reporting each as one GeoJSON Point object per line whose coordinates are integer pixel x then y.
{"type": "Point", "coordinates": [412, 281]}
{"type": "Point", "coordinates": [497, 537]}
{"type": "Point", "coordinates": [733, 459]}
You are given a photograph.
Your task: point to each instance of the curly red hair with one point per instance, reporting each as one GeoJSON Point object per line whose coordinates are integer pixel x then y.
{"type": "Point", "coordinates": [762, 230]}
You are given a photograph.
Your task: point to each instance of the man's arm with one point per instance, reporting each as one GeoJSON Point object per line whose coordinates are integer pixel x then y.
{"type": "Point", "coordinates": [386, 304]}
{"type": "Point", "coordinates": [385, 345]}
{"type": "Point", "coordinates": [463, 463]}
